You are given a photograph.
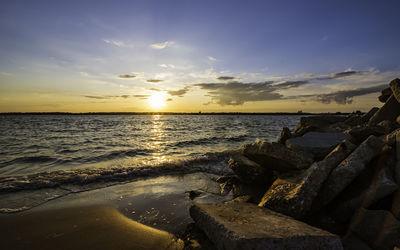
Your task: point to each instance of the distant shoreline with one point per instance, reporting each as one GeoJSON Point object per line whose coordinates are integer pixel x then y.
{"type": "Point", "coordinates": [170, 113]}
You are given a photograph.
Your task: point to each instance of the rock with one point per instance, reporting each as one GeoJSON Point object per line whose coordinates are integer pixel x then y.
{"type": "Point", "coordinates": [372, 185]}
{"type": "Point", "coordinates": [226, 188]}
{"type": "Point", "coordinates": [246, 226]}
{"type": "Point", "coordinates": [255, 192]}
{"type": "Point", "coordinates": [354, 120]}
{"type": "Point", "coordinates": [398, 119]}
{"type": "Point", "coordinates": [396, 204]}
{"type": "Point", "coordinates": [352, 242]}
{"type": "Point", "coordinates": [276, 156]}
{"type": "Point", "coordinates": [378, 228]}
{"type": "Point", "coordinates": [395, 86]}
{"type": "Point", "coordinates": [350, 168]}
{"type": "Point", "coordinates": [360, 133]}
{"type": "Point", "coordinates": [249, 171]}
{"type": "Point", "coordinates": [386, 93]}
{"type": "Point", "coordinates": [316, 143]}
{"type": "Point", "coordinates": [393, 139]}
{"type": "Point", "coordinates": [294, 194]}
{"type": "Point", "coordinates": [386, 125]}
{"type": "Point", "coordinates": [285, 134]}
{"type": "Point", "coordinates": [317, 123]}
{"type": "Point", "coordinates": [369, 114]}
{"type": "Point", "coordinates": [225, 178]}
{"type": "Point", "coordinates": [389, 111]}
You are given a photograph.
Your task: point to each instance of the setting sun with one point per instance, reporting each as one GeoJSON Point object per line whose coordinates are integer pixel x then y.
{"type": "Point", "coordinates": [157, 101]}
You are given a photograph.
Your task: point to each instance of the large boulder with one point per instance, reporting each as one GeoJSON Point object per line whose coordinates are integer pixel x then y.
{"type": "Point", "coordinates": [239, 225]}
{"type": "Point", "coordinates": [389, 111]}
{"type": "Point", "coordinates": [360, 133]}
{"type": "Point", "coordinates": [285, 134]}
{"type": "Point", "coordinates": [385, 94]}
{"type": "Point", "coordinates": [317, 123]}
{"type": "Point", "coordinates": [369, 187]}
{"type": "Point", "coordinates": [378, 228]}
{"type": "Point", "coordinates": [350, 168]}
{"type": "Point", "coordinates": [249, 171]}
{"type": "Point", "coordinates": [396, 204]}
{"type": "Point", "coordinates": [395, 86]}
{"type": "Point", "coordinates": [294, 194]}
{"type": "Point", "coordinates": [316, 143]}
{"type": "Point", "coordinates": [276, 156]}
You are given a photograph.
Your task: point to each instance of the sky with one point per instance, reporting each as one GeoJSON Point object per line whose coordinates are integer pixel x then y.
{"type": "Point", "coordinates": [191, 56]}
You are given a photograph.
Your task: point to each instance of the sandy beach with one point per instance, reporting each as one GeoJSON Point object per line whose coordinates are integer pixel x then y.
{"type": "Point", "coordinates": [144, 214]}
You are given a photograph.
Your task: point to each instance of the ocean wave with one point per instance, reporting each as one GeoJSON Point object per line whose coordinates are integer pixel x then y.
{"type": "Point", "coordinates": [215, 163]}
{"type": "Point", "coordinates": [209, 140]}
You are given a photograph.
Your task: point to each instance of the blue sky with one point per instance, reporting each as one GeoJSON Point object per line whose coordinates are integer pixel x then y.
{"type": "Point", "coordinates": [58, 55]}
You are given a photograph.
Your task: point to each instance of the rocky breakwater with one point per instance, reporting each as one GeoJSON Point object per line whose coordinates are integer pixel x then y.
{"type": "Point", "coordinates": [332, 183]}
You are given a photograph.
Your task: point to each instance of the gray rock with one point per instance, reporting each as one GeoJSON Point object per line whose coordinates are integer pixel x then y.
{"type": "Point", "coordinates": [316, 143]}
{"type": "Point", "coordinates": [389, 111]}
{"type": "Point", "coordinates": [360, 133]}
{"type": "Point", "coordinates": [371, 186]}
{"type": "Point", "coordinates": [378, 228]}
{"type": "Point", "coordinates": [386, 93]}
{"type": "Point", "coordinates": [317, 123]}
{"type": "Point", "coordinates": [370, 113]}
{"type": "Point", "coordinates": [387, 125]}
{"type": "Point", "coordinates": [285, 134]}
{"type": "Point", "coordinates": [350, 168]}
{"type": "Point", "coordinates": [246, 226]}
{"type": "Point", "coordinates": [276, 156]}
{"type": "Point", "coordinates": [352, 242]}
{"type": "Point", "coordinates": [393, 139]}
{"type": "Point", "coordinates": [249, 171]}
{"type": "Point", "coordinates": [354, 120]}
{"type": "Point", "coordinates": [396, 204]}
{"type": "Point", "coordinates": [294, 194]}
{"type": "Point", "coordinates": [395, 86]}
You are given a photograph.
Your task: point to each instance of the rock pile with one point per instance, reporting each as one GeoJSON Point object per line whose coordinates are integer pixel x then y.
{"type": "Point", "coordinates": [334, 177]}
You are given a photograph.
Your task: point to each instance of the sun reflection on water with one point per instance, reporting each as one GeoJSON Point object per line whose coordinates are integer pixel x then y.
{"type": "Point", "coordinates": [157, 140]}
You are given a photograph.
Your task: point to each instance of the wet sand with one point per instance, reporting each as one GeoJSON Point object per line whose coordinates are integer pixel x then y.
{"type": "Point", "coordinates": [143, 214]}
{"type": "Point", "coordinates": [92, 227]}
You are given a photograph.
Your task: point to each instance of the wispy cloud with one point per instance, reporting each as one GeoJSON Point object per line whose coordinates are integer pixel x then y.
{"type": "Point", "coordinates": [114, 42]}
{"type": "Point", "coordinates": [155, 89]}
{"type": "Point", "coordinates": [212, 58]}
{"type": "Point", "coordinates": [339, 75]}
{"type": "Point", "coordinates": [226, 78]}
{"type": "Point", "coordinates": [2, 73]}
{"type": "Point", "coordinates": [169, 100]}
{"type": "Point", "coordinates": [179, 92]}
{"type": "Point", "coordinates": [167, 66]}
{"type": "Point", "coordinates": [154, 80]}
{"type": "Point", "coordinates": [237, 93]}
{"type": "Point", "coordinates": [162, 45]}
{"type": "Point", "coordinates": [116, 96]}
{"type": "Point", "coordinates": [126, 76]}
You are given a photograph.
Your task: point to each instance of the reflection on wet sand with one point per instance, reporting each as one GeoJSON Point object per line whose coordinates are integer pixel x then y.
{"type": "Point", "coordinates": [91, 227]}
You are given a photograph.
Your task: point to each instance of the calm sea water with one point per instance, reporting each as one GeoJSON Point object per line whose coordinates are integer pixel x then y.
{"type": "Point", "coordinates": [40, 143]}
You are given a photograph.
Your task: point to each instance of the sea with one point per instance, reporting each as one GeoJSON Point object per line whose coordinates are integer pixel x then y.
{"type": "Point", "coordinates": [32, 146]}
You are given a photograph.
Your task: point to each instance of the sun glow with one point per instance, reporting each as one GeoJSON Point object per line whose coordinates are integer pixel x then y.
{"type": "Point", "coordinates": [157, 101]}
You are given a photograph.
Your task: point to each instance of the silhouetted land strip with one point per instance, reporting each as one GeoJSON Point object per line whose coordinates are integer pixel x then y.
{"type": "Point", "coordinates": [169, 113]}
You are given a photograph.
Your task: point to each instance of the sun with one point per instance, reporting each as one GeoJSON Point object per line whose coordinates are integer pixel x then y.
{"type": "Point", "coordinates": [157, 101]}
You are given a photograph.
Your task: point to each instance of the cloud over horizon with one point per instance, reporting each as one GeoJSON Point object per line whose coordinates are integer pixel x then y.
{"type": "Point", "coordinates": [126, 76]}
{"type": "Point", "coordinates": [179, 92]}
{"type": "Point", "coordinates": [154, 80]}
{"type": "Point", "coordinates": [117, 96]}
{"type": "Point", "coordinates": [346, 96]}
